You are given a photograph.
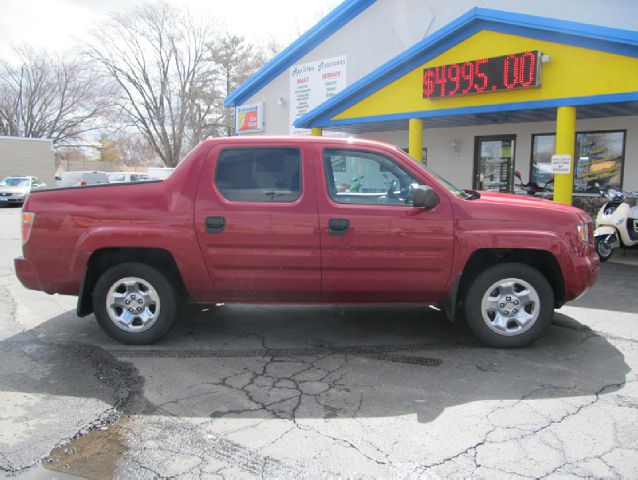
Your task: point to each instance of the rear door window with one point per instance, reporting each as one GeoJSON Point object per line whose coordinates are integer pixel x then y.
{"type": "Point", "coordinates": [259, 174]}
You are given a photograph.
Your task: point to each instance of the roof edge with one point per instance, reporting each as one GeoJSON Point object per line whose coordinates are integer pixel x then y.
{"type": "Point", "coordinates": [495, 108]}
{"type": "Point", "coordinates": [462, 27]}
{"type": "Point", "coordinates": [328, 25]}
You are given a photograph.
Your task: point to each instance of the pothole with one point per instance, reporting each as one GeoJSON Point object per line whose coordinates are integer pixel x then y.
{"type": "Point", "coordinates": [94, 455]}
{"type": "Point", "coordinates": [95, 451]}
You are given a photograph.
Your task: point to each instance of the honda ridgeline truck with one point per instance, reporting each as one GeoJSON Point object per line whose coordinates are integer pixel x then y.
{"type": "Point", "coordinates": [305, 220]}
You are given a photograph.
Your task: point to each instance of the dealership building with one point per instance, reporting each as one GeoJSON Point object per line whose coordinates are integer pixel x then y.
{"type": "Point", "coordinates": [476, 90]}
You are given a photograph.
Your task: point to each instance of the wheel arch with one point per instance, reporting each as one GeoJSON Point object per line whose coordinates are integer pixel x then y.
{"type": "Point", "coordinates": [543, 261]}
{"type": "Point", "coordinates": [102, 259]}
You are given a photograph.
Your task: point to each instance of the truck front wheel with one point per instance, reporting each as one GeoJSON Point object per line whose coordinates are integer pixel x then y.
{"type": "Point", "coordinates": [135, 303]}
{"type": "Point", "coordinates": [508, 305]}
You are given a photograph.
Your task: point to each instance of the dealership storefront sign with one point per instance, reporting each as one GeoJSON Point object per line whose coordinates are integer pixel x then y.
{"type": "Point", "coordinates": [313, 83]}
{"type": "Point", "coordinates": [484, 75]}
{"type": "Point", "coordinates": [249, 118]}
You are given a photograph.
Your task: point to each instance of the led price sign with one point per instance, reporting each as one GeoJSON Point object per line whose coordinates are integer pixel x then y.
{"type": "Point", "coordinates": [508, 72]}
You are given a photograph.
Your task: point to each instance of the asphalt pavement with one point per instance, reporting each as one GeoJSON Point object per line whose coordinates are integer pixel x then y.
{"type": "Point", "coordinates": [243, 391]}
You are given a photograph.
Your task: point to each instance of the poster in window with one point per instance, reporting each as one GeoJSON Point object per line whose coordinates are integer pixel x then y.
{"type": "Point", "coordinates": [599, 160]}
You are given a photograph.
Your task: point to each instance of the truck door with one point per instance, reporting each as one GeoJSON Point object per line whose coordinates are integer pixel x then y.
{"type": "Point", "coordinates": [257, 223]}
{"type": "Point", "coordinates": [376, 247]}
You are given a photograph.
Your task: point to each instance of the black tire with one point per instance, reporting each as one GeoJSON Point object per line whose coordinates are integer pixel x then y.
{"type": "Point", "coordinates": [165, 294]}
{"type": "Point", "coordinates": [483, 287]}
{"type": "Point", "coordinates": [604, 249]}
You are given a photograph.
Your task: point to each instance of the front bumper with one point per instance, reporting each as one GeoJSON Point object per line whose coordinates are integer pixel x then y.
{"type": "Point", "coordinates": [585, 273]}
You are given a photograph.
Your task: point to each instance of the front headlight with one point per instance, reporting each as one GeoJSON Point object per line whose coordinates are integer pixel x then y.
{"type": "Point", "coordinates": [583, 232]}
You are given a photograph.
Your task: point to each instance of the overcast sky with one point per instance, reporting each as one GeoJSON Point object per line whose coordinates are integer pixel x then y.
{"type": "Point", "coordinates": [58, 24]}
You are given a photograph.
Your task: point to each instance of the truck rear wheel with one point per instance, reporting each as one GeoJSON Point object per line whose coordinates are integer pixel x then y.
{"type": "Point", "coordinates": [509, 305]}
{"type": "Point", "coordinates": [135, 303]}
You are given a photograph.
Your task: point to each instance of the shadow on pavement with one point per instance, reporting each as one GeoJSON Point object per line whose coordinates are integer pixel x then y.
{"type": "Point", "coordinates": [307, 362]}
{"type": "Point", "coordinates": [612, 291]}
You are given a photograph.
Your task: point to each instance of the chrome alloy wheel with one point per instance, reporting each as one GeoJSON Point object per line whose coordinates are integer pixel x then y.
{"type": "Point", "coordinates": [510, 306]}
{"type": "Point", "coordinates": [133, 304]}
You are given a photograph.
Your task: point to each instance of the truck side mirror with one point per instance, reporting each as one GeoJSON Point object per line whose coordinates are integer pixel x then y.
{"type": "Point", "coordinates": [424, 197]}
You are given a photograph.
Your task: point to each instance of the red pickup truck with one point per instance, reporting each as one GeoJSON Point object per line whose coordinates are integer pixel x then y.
{"type": "Point", "coordinates": [305, 220]}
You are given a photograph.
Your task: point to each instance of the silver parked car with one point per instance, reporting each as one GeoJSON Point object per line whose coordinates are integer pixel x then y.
{"type": "Point", "coordinates": [16, 189]}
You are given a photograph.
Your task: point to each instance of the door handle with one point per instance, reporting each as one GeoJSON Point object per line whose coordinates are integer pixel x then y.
{"type": "Point", "coordinates": [215, 224]}
{"type": "Point", "coordinates": [338, 226]}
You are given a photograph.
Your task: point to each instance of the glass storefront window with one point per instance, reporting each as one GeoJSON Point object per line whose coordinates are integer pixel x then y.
{"type": "Point", "coordinates": [493, 163]}
{"type": "Point", "coordinates": [543, 147]}
{"type": "Point", "coordinates": [599, 158]}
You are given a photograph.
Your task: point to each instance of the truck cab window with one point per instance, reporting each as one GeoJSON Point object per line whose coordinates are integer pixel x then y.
{"type": "Point", "coordinates": [259, 174]}
{"type": "Point", "coordinates": [359, 177]}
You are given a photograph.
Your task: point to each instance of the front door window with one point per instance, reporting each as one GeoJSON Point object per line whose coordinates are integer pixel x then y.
{"type": "Point", "coordinates": [494, 163]}
{"type": "Point", "coordinates": [366, 178]}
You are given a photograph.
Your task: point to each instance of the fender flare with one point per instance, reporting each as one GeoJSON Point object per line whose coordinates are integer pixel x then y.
{"type": "Point", "coordinates": [552, 246]}
{"type": "Point", "coordinates": [188, 257]}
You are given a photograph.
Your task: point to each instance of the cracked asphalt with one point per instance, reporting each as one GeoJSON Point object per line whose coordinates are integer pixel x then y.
{"type": "Point", "coordinates": [316, 391]}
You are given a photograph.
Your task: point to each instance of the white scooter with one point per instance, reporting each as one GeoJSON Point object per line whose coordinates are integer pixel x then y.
{"type": "Point", "coordinates": [616, 224]}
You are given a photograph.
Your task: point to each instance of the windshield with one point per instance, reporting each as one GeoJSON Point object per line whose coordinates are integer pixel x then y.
{"type": "Point", "coordinates": [15, 182]}
{"type": "Point", "coordinates": [449, 186]}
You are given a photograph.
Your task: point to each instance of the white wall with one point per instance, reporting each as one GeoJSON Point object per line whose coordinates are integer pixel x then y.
{"type": "Point", "coordinates": [375, 36]}
{"type": "Point", "coordinates": [460, 168]}
{"type": "Point", "coordinates": [612, 13]}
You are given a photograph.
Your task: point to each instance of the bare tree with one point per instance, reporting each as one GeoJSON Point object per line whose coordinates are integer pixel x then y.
{"type": "Point", "coordinates": [235, 60]}
{"type": "Point", "coordinates": [157, 56]}
{"type": "Point", "coordinates": [135, 150]}
{"type": "Point", "coordinates": [45, 96]}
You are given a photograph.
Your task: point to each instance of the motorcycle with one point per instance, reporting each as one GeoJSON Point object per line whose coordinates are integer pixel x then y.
{"type": "Point", "coordinates": [533, 188]}
{"type": "Point", "coordinates": [616, 223]}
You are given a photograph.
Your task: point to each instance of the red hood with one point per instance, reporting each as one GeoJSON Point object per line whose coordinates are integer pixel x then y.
{"type": "Point", "coordinates": [527, 201]}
